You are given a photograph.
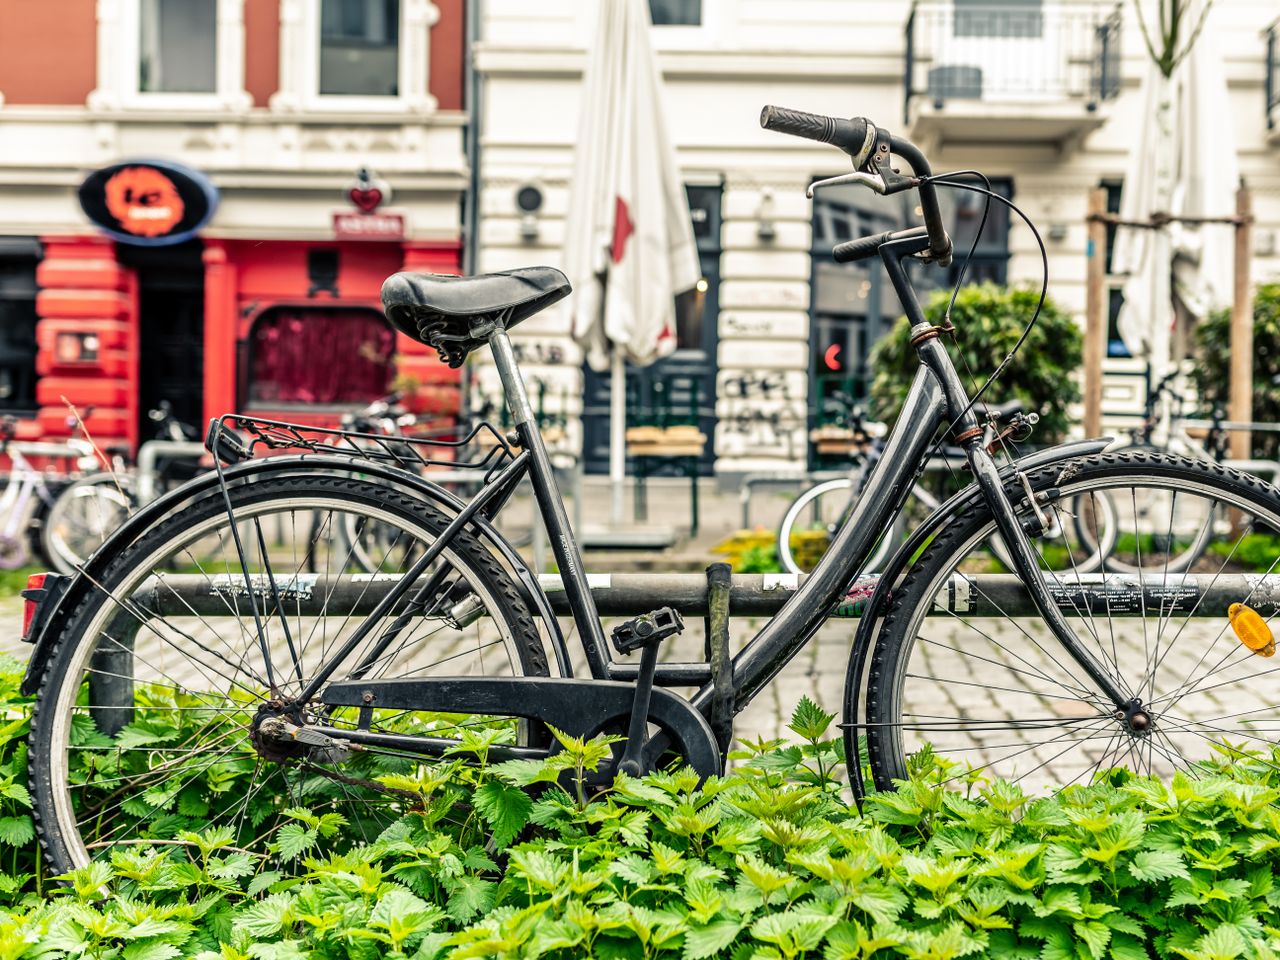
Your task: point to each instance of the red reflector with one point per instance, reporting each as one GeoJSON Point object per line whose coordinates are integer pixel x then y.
{"type": "Point", "coordinates": [34, 582]}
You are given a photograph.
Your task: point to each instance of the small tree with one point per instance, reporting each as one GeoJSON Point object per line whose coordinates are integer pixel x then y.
{"type": "Point", "coordinates": [1211, 374]}
{"type": "Point", "coordinates": [988, 320]}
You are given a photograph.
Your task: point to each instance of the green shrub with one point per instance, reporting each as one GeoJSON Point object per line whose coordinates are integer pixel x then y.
{"type": "Point", "coordinates": [770, 862]}
{"type": "Point", "coordinates": [1212, 371]}
{"type": "Point", "coordinates": [988, 320]}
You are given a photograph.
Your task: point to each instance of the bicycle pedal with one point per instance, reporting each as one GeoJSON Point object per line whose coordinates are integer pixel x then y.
{"type": "Point", "coordinates": [651, 628]}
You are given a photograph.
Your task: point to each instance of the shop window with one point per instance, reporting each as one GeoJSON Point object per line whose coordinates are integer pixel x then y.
{"type": "Point", "coordinates": [359, 48]}
{"type": "Point", "coordinates": [676, 13]}
{"type": "Point", "coordinates": [177, 46]}
{"type": "Point", "coordinates": [962, 211]}
{"type": "Point", "coordinates": [323, 356]}
{"type": "Point", "coordinates": [1115, 285]}
{"type": "Point", "coordinates": [17, 331]}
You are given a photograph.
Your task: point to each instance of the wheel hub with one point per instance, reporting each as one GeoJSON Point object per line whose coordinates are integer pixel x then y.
{"type": "Point", "coordinates": [1136, 720]}
{"type": "Point", "coordinates": [282, 730]}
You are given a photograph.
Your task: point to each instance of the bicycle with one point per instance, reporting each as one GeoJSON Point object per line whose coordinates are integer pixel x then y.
{"type": "Point", "coordinates": [226, 699]}
{"type": "Point", "coordinates": [815, 516]}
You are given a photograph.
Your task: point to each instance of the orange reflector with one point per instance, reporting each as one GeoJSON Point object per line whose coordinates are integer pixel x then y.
{"type": "Point", "coordinates": [1251, 629]}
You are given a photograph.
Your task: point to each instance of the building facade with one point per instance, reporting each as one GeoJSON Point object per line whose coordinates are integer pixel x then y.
{"type": "Point", "coordinates": [326, 136]}
{"type": "Point", "coordinates": [1042, 97]}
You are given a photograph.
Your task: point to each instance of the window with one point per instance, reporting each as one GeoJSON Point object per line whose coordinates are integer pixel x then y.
{"type": "Point", "coordinates": [18, 324]}
{"type": "Point", "coordinates": [676, 13]}
{"type": "Point", "coordinates": [360, 48]}
{"type": "Point", "coordinates": [1115, 286]}
{"type": "Point", "coordinates": [1006, 19]}
{"type": "Point", "coordinates": [962, 212]}
{"type": "Point", "coordinates": [171, 55]}
{"type": "Point", "coordinates": [330, 356]}
{"type": "Point", "coordinates": [177, 46]}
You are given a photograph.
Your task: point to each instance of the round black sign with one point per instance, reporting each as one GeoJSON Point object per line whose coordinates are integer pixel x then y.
{"type": "Point", "coordinates": [151, 203]}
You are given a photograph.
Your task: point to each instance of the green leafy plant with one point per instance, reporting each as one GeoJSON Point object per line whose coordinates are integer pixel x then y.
{"type": "Point", "coordinates": [1212, 371]}
{"type": "Point", "coordinates": [988, 321]}
{"type": "Point", "coordinates": [534, 858]}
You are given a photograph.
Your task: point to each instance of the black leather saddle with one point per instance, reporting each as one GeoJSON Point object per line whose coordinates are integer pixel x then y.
{"type": "Point", "coordinates": [438, 309]}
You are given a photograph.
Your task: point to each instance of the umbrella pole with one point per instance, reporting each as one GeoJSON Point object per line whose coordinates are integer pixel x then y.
{"type": "Point", "coordinates": [617, 431]}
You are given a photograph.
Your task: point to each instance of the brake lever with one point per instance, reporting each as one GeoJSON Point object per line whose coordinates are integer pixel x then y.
{"type": "Point", "coordinates": [873, 181]}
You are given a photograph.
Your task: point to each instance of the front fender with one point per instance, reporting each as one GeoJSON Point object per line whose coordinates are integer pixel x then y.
{"type": "Point", "coordinates": [896, 567]}
{"type": "Point", "coordinates": [250, 471]}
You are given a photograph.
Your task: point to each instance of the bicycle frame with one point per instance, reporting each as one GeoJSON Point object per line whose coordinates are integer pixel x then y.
{"type": "Point", "coordinates": [936, 396]}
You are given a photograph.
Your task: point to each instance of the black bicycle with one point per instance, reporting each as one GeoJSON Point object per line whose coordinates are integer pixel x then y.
{"type": "Point", "coordinates": [223, 661]}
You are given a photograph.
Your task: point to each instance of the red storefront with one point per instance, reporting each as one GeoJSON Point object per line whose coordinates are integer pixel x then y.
{"type": "Point", "coordinates": [279, 328]}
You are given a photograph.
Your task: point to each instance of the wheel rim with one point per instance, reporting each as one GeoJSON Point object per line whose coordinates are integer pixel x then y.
{"type": "Point", "coordinates": [1003, 698]}
{"type": "Point", "coordinates": [168, 686]}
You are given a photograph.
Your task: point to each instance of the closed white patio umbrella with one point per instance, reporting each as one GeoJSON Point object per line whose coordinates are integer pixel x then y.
{"type": "Point", "coordinates": [629, 246]}
{"type": "Point", "coordinates": [1183, 164]}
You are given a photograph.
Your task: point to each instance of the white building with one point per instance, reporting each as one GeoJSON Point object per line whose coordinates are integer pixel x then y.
{"type": "Point", "coordinates": [1041, 97]}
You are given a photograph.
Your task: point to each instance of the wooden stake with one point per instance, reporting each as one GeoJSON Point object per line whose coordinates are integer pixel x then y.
{"type": "Point", "coordinates": [1095, 332]}
{"type": "Point", "coordinates": [1240, 404]}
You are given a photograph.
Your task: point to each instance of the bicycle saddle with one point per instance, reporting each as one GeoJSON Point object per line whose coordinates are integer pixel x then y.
{"type": "Point", "coordinates": [438, 309]}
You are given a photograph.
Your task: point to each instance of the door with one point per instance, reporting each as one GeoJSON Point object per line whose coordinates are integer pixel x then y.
{"type": "Point", "coordinates": [170, 331]}
{"type": "Point", "coordinates": [18, 257]}
{"type": "Point", "coordinates": [681, 388]}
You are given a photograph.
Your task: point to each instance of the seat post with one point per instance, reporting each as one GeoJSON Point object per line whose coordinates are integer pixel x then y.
{"type": "Point", "coordinates": [513, 387]}
{"type": "Point", "coordinates": [550, 505]}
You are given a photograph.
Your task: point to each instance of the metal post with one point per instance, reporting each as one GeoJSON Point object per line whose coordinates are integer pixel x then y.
{"type": "Point", "coordinates": [617, 432]}
{"type": "Point", "coordinates": [1240, 402]}
{"type": "Point", "coordinates": [1095, 335]}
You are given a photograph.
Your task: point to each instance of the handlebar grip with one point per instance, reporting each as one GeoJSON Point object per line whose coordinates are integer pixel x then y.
{"type": "Point", "coordinates": [854, 136]}
{"type": "Point", "coordinates": [853, 250]}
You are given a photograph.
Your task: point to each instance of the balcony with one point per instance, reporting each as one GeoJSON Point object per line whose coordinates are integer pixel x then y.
{"type": "Point", "coordinates": [1006, 71]}
{"type": "Point", "coordinates": [1272, 36]}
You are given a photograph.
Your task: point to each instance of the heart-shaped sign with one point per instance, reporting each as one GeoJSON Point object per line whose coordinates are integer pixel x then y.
{"type": "Point", "coordinates": [366, 199]}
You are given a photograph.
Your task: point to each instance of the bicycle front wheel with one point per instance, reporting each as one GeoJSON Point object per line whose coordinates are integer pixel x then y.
{"type": "Point", "coordinates": [812, 521]}
{"type": "Point", "coordinates": [81, 518]}
{"type": "Point", "coordinates": [149, 720]}
{"type": "Point", "coordinates": [965, 669]}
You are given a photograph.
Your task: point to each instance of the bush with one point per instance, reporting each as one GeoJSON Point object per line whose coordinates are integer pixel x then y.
{"type": "Point", "coordinates": [988, 320]}
{"type": "Point", "coordinates": [1212, 373]}
{"type": "Point", "coordinates": [770, 862]}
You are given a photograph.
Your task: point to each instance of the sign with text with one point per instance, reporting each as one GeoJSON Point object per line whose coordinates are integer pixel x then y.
{"type": "Point", "coordinates": [353, 225]}
{"type": "Point", "coordinates": [150, 203]}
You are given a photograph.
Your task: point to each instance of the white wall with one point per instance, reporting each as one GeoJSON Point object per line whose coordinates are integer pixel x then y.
{"type": "Point", "coordinates": [826, 56]}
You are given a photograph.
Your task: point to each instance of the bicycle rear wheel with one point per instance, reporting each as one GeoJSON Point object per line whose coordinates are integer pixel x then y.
{"type": "Point", "coordinates": [966, 670]}
{"type": "Point", "coordinates": [148, 720]}
{"type": "Point", "coordinates": [81, 519]}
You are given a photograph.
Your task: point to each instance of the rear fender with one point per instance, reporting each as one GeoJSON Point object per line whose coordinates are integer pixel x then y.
{"type": "Point", "coordinates": [53, 620]}
{"type": "Point", "coordinates": [900, 562]}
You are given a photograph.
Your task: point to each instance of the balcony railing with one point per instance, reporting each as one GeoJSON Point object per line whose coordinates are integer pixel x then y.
{"type": "Point", "coordinates": [1273, 75]}
{"type": "Point", "coordinates": [1011, 52]}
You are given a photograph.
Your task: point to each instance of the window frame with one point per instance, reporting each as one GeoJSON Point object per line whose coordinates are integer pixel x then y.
{"type": "Point", "coordinates": [119, 55]}
{"type": "Point", "coordinates": [300, 64]}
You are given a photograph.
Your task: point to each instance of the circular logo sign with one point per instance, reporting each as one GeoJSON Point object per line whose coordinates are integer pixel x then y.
{"type": "Point", "coordinates": [148, 202]}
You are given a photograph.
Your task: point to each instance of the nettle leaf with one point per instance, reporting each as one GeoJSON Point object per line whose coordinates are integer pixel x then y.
{"type": "Point", "coordinates": [809, 721]}
{"type": "Point", "coordinates": [154, 950]}
{"type": "Point", "coordinates": [262, 881]}
{"type": "Point", "coordinates": [293, 840]}
{"type": "Point", "coordinates": [505, 808]}
{"type": "Point", "coordinates": [708, 940]}
{"type": "Point", "coordinates": [1157, 865]}
{"type": "Point", "coordinates": [265, 917]}
{"type": "Point", "coordinates": [17, 831]}
{"type": "Point", "coordinates": [1093, 934]}
{"type": "Point", "coordinates": [470, 896]}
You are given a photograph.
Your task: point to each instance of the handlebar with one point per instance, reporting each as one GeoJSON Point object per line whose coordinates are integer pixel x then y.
{"type": "Point", "coordinates": [870, 149]}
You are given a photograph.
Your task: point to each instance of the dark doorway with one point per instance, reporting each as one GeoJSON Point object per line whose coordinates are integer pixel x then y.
{"type": "Point", "coordinates": [681, 388]}
{"type": "Point", "coordinates": [170, 330]}
{"type": "Point", "coordinates": [18, 258]}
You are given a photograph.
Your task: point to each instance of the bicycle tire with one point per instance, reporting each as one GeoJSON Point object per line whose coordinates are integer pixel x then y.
{"type": "Point", "coordinates": [839, 487]}
{"type": "Point", "coordinates": [67, 540]}
{"type": "Point", "coordinates": [56, 716]}
{"type": "Point", "coordinates": [893, 725]}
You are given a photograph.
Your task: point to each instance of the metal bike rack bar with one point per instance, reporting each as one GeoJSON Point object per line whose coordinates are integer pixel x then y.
{"type": "Point", "coordinates": [751, 595]}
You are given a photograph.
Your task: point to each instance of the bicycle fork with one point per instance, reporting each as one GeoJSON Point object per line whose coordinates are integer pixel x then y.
{"type": "Point", "coordinates": [1025, 560]}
